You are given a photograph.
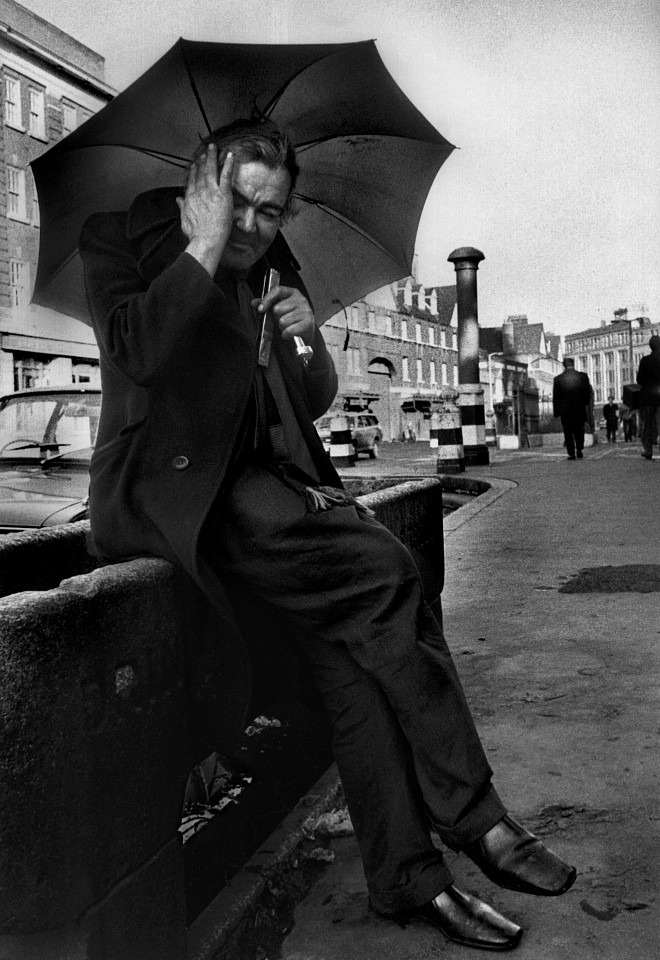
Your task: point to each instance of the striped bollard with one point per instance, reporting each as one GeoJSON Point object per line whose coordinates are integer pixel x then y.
{"type": "Point", "coordinates": [491, 430]}
{"type": "Point", "coordinates": [342, 451]}
{"type": "Point", "coordinates": [451, 456]}
{"type": "Point", "coordinates": [473, 422]}
{"type": "Point", "coordinates": [435, 431]}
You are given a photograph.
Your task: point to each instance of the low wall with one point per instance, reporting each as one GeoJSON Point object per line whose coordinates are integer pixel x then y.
{"type": "Point", "coordinates": [99, 733]}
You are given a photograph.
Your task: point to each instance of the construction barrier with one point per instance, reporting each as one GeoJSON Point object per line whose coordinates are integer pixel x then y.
{"type": "Point", "coordinates": [473, 423]}
{"type": "Point", "coordinates": [451, 455]}
{"type": "Point", "coordinates": [342, 451]}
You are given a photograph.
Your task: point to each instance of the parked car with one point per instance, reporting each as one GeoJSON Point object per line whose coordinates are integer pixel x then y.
{"type": "Point", "coordinates": [47, 435]}
{"type": "Point", "coordinates": [365, 431]}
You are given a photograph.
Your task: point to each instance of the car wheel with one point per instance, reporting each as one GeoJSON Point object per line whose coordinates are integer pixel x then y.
{"type": "Point", "coordinates": [373, 453]}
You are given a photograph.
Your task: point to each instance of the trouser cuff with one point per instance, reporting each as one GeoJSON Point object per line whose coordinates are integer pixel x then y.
{"type": "Point", "coordinates": [479, 819]}
{"type": "Point", "coordinates": [436, 878]}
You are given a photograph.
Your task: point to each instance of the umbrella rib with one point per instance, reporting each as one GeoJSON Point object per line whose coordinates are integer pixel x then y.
{"type": "Point", "coordinates": [342, 219]}
{"type": "Point", "coordinates": [193, 86]}
{"type": "Point", "coordinates": [173, 158]}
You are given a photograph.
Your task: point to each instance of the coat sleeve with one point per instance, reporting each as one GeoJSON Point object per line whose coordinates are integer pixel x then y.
{"type": "Point", "coordinates": [142, 327]}
{"type": "Point", "coordinates": [320, 378]}
{"type": "Point", "coordinates": [555, 399]}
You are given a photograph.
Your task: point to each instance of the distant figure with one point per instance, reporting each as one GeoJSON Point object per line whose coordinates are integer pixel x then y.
{"type": "Point", "coordinates": [611, 414]}
{"type": "Point", "coordinates": [648, 377]}
{"type": "Point", "coordinates": [627, 418]}
{"type": "Point", "coordinates": [571, 397]}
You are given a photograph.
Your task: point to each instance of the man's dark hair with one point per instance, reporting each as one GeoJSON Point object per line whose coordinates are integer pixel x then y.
{"type": "Point", "coordinates": [568, 362]}
{"type": "Point", "coordinates": [654, 342]}
{"type": "Point", "coordinates": [256, 140]}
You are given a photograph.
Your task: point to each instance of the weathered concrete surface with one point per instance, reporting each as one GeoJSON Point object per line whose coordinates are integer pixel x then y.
{"type": "Point", "coordinates": [564, 688]}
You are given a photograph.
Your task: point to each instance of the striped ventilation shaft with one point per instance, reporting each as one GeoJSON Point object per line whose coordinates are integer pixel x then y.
{"type": "Point", "coordinates": [342, 451]}
{"type": "Point", "coordinates": [451, 455]}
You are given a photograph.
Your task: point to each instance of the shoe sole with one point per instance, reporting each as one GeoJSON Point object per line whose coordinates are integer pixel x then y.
{"type": "Point", "coordinates": [533, 891]}
{"type": "Point", "coordinates": [475, 944]}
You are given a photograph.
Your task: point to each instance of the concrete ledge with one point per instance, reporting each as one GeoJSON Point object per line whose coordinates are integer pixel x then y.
{"type": "Point", "coordinates": [99, 734]}
{"type": "Point", "coordinates": [495, 489]}
{"type": "Point", "coordinates": [210, 931]}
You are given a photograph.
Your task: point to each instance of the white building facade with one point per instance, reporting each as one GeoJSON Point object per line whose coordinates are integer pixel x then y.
{"type": "Point", "coordinates": [50, 85]}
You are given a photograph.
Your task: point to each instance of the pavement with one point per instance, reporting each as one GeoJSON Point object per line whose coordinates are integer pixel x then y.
{"type": "Point", "coordinates": [564, 690]}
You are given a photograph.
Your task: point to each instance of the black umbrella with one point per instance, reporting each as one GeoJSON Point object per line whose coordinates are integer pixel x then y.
{"type": "Point", "coordinates": [367, 159]}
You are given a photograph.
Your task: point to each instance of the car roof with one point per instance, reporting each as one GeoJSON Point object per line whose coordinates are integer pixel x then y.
{"type": "Point", "coordinates": [36, 391]}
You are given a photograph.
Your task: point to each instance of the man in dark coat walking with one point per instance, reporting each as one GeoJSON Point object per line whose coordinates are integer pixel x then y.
{"type": "Point", "coordinates": [648, 378]}
{"type": "Point", "coordinates": [207, 455]}
{"type": "Point", "coordinates": [571, 400]}
{"type": "Point", "coordinates": [611, 414]}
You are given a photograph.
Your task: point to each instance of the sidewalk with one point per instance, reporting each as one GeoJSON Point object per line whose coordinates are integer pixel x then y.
{"type": "Point", "coordinates": [563, 686]}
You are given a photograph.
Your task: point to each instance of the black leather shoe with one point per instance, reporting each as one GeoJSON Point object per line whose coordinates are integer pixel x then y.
{"type": "Point", "coordinates": [466, 920]}
{"type": "Point", "coordinates": [514, 858]}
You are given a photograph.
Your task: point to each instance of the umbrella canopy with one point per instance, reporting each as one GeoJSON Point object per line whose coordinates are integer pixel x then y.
{"type": "Point", "coordinates": [367, 160]}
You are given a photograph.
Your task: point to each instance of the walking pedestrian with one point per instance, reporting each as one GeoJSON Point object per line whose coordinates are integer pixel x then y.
{"type": "Point", "coordinates": [611, 414]}
{"type": "Point", "coordinates": [648, 378]}
{"type": "Point", "coordinates": [207, 455]}
{"type": "Point", "coordinates": [626, 416]}
{"type": "Point", "coordinates": [571, 400]}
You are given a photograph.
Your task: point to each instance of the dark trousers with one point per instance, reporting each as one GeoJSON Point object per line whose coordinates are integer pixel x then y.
{"type": "Point", "coordinates": [406, 746]}
{"type": "Point", "coordinates": [650, 417]}
{"type": "Point", "coordinates": [611, 429]}
{"type": "Point", "coordinates": [573, 427]}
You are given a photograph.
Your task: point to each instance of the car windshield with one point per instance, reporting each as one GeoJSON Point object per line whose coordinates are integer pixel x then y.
{"type": "Point", "coordinates": [39, 426]}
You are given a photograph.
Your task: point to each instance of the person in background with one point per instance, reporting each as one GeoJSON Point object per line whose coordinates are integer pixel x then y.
{"type": "Point", "coordinates": [627, 418]}
{"type": "Point", "coordinates": [648, 378]}
{"type": "Point", "coordinates": [611, 414]}
{"type": "Point", "coordinates": [571, 398]}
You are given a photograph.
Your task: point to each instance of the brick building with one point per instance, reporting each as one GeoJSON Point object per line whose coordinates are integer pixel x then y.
{"type": "Point", "coordinates": [394, 351]}
{"type": "Point", "coordinates": [50, 85]}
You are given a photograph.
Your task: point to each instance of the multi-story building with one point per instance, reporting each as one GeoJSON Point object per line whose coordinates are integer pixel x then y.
{"type": "Point", "coordinates": [394, 351]}
{"type": "Point", "coordinates": [50, 85]}
{"type": "Point", "coordinates": [610, 354]}
{"type": "Point", "coordinates": [518, 363]}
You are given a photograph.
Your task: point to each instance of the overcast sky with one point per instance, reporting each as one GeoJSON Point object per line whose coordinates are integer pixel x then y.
{"type": "Point", "coordinates": [553, 104]}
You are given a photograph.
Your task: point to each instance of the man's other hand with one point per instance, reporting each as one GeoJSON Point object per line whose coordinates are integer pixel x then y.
{"type": "Point", "coordinates": [291, 311]}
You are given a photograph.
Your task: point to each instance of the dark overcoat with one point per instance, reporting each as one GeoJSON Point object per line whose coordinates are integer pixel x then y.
{"type": "Point", "coordinates": [648, 378]}
{"type": "Point", "coordinates": [177, 370]}
{"type": "Point", "coordinates": [571, 394]}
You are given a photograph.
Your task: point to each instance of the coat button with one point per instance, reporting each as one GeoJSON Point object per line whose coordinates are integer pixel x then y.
{"type": "Point", "coordinates": [180, 463]}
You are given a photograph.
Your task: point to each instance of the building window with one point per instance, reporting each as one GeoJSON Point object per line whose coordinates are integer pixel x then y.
{"type": "Point", "coordinates": [354, 318]}
{"type": "Point", "coordinates": [353, 360]}
{"type": "Point", "coordinates": [35, 203]}
{"type": "Point", "coordinates": [37, 124]}
{"type": "Point", "coordinates": [431, 336]}
{"type": "Point", "coordinates": [420, 372]}
{"type": "Point", "coordinates": [29, 372]}
{"type": "Point", "coordinates": [432, 372]}
{"type": "Point", "coordinates": [69, 119]}
{"type": "Point", "coordinates": [16, 193]}
{"type": "Point", "coordinates": [19, 273]}
{"type": "Point", "coordinates": [418, 332]}
{"type": "Point", "coordinates": [371, 321]}
{"type": "Point", "coordinates": [456, 373]}
{"type": "Point", "coordinates": [445, 381]}
{"type": "Point", "coordinates": [404, 329]}
{"type": "Point", "coordinates": [404, 368]}
{"type": "Point", "coordinates": [13, 102]}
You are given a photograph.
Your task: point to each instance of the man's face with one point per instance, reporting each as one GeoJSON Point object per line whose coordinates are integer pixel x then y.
{"type": "Point", "coordinates": [260, 195]}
